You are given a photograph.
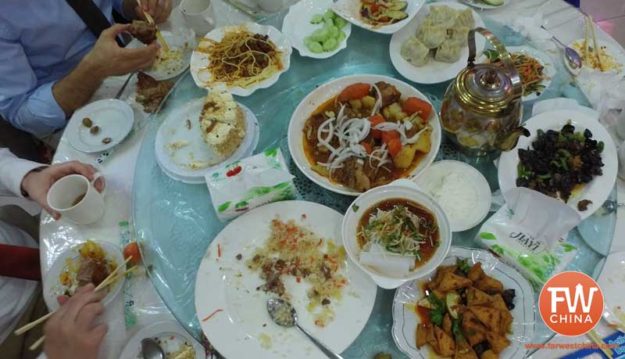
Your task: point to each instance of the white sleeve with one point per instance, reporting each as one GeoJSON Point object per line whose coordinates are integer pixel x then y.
{"type": "Point", "coordinates": [12, 171]}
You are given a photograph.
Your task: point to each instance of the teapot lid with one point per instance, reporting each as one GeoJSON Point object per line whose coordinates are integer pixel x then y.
{"type": "Point", "coordinates": [488, 83]}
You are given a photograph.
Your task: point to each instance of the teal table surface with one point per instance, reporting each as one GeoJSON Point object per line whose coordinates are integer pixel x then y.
{"type": "Point", "coordinates": [176, 223]}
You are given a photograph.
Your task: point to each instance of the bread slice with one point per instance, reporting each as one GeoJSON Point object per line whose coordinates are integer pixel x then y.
{"type": "Point", "coordinates": [222, 122]}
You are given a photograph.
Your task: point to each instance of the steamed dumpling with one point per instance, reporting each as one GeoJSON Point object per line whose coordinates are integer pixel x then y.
{"type": "Point", "coordinates": [458, 35]}
{"type": "Point", "coordinates": [415, 52]}
{"type": "Point", "coordinates": [448, 52]}
{"type": "Point", "coordinates": [442, 15]}
{"type": "Point", "coordinates": [432, 36]}
{"type": "Point", "coordinates": [465, 19]}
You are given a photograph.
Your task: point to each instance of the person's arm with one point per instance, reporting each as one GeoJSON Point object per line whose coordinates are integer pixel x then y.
{"type": "Point", "coordinates": [158, 9]}
{"type": "Point", "coordinates": [105, 59]}
{"type": "Point", "coordinates": [12, 172]}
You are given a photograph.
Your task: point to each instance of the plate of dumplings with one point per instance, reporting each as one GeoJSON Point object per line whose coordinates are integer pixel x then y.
{"type": "Point", "coordinates": [433, 47]}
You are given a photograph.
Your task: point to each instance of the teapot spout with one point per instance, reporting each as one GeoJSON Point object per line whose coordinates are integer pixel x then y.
{"type": "Point", "coordinates": [510, 141]}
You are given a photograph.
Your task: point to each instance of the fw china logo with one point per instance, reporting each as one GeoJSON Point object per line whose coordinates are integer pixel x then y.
{"type": "Point", "coordinates": [571, 303]}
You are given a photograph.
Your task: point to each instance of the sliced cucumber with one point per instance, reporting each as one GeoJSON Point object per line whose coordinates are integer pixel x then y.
{"type": "Point", "coordinates": [395, 14]}
{"type": "Point", "coordinates": [494, 2]}
{"type": "Point", "coordinates": [398, 5]}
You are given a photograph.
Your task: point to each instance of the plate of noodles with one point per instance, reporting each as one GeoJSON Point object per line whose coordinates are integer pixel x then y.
{"type": "Point", "coordinates": [535, 68]}
{"type": "Point", "coordinates": [244, 58]}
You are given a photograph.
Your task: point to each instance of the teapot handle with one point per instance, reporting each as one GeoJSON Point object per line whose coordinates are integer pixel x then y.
{"type": "Point", "coordinates": [504, 55]}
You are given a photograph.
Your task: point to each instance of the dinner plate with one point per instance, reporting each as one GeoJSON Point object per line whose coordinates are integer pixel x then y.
{"type": "Point", "coordinates": [612, 281]}
{"type": "Point", "coordinates": [296, 26]}
{"type": "Point", "coordinates": [545, 60]}
{"type": "Point", "coordinates": [434, 71]}
{"type": "Point", "coordinates": [226, 288]}
{"type": "Point", "coordinates": [479, 4]}
{"type": "Point", "coordinates": [330, 89]}
{"type": "Point", "coordinates": [405, 319]}
{"type": "Point", "coordinates": [176, 162]}
{"type": "Point", "coordinates": [350, 11]}
{"type": "Point", "coordinates": [200, 61]}
{"type": "Point", "coordinates": [615, 51]}
{"type": "Point", "coordinates": [115, 119]}
{"type": "Point", "coordinates": [168, 334]}
{"type": "Point", "coordinates": [183, 40]}
{"type": "Point", "coordinates": [598, 190]}
{"type": "Point", "coordinates": [52, 288]}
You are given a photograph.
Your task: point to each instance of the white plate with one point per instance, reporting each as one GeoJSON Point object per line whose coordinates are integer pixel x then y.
{"type": "Point", "coordinates": [52, 288]}
{"type": "Point", "coordinates": [479, 4]}
{"type": "Point", "coordinates": [350, 11]}
{"type": "Point", "coordinates": [598, 190]}
{"type": "Point", "coordinates": [615, 51]}
{"type": "Point", "coordinates": [405, 320]}
{"type": "Point", "coordinates": [182, 39]}
{"type": "Point", "coordinates": [296, 26]}
{"type": "Point", "coordinates": [330, 89]}
{"type": "Point", "coordinates": [114, 117]}
{"type": "Point", "coordinates": [474, 180]}
{"type": "Point", "coordinates": [200, 61]}
{"type": "Point", "coordinates": [174, 129]}
{"type": "Point", "coordinates": [612, 281]}
{"type": "Point", "coordinates": [170, 336]}
{"type": "Point", "coordinates": [434, 71]}
{"type": "Point", "coordinates": [374, 196]}
{"type": "Point", "coordinates": [226, 283]}
{"type": "Point", "coordinates": [549, 68]}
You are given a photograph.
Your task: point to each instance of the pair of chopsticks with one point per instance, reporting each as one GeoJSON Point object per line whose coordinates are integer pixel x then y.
{"type": "Point", "coordinates": [106, 282]}
{"type": "Point", "coordinates": [589, 25]}
{"type": "Point", "coordinates": [600, 343]}
{"type": "Point", "coordinates": [159, 36]}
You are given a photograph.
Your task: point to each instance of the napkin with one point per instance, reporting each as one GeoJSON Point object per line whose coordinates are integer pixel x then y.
{"type": "Point", "coordinates": [531, 27]}
{"type": "Point", "coordinates": [237, 187]}
{"type": "Point", "coordinates": [528, 233]}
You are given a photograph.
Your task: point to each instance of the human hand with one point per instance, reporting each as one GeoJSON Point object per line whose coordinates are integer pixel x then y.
{"type": "Point", "coordinates": [36, 183]}
{"type": "Point", "coordinates": [107, 58]}
{"type": "Point", "coordinates": [158, 9]}
{"type": "Point", "coordinates": [72, 331]}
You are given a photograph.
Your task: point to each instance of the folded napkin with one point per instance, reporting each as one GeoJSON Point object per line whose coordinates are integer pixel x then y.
{"type": "Point", "coordinates": [531, 27]}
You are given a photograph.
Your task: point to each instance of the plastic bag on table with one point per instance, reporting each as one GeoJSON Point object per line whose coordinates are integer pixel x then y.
{"type": "Point", "coordinates": [528, 233]}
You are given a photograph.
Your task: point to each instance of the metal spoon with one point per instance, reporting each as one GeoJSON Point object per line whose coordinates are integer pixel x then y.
{"type": "Point", "coordinates": [572, 57]}
{"type": "Point", "coordinates": [283, 314]}
{"type": "Point", "coordinates": [151, 350]}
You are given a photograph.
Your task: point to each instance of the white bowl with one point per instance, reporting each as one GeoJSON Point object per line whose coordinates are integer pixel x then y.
{"type": "Point", "coordinates": [374, 196]}
{"type": "Point", "coordinates": [475, 182]}
{"type": "Point", "coordinates": [200, 60]}
{"type": "Point", "coordinates": [325, 92]}
{"type": "Point", "coordinates": [296, 26]}
{"type": "Point", "coordinates": [52, 288]}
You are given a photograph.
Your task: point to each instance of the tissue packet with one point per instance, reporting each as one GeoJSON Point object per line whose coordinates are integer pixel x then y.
{"type": "Point", "coordinates": [528, 233]}
{"type": "Point", "coordinates": [251, 182]}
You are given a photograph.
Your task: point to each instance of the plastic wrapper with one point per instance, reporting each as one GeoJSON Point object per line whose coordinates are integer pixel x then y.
{"type": "Point", "coordinates": [528, 233]}
{"type": "Point", "coordinates": [237, 187]}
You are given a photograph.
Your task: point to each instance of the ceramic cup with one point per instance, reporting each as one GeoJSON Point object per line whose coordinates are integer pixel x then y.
{"type": "Point", "coordinates": [621, 161]}
{"type": "Point", "coordinates": [76, 199]}
{"type": "Point", "coordinates": [198, 14]}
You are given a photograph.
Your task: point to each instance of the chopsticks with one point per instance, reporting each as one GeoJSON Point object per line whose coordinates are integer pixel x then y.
{"type": "Point", "coordinates": [589, 25]}
{"type": "Point", "coordinates": [106, 282]}
{"type": "Point", "coordinates": [600, 343]}
{"type": "Point", "coordinates": [158, 32]}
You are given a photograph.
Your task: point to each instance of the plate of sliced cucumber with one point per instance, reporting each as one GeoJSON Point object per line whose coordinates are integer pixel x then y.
{"type": "Point", "coordinates": [315, 30]}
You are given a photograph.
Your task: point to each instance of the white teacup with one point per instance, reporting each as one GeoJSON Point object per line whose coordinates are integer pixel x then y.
{"type": "Point", "coordinates": [76, 199]}
{"type": "Point", "coordinates": [198, 14]}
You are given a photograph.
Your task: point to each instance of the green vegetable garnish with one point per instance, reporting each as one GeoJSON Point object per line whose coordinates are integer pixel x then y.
{"type": "Point", "coordinates": [438, 310]}
{"type": "Point", "coordinates": [463, 265]}
{"type": "Point", "coordinates": [316, 19]}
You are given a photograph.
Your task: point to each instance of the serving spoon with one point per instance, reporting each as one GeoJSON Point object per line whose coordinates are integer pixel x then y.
{"type": "Point", "coordinates": [572, 57]}
{"type": "Point", "coordinates": [151, 350]}
{"type": "Point", "coordinates": [283, 314]}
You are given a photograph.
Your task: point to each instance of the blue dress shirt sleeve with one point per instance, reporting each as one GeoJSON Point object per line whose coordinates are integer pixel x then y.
{"type": "Point", "coordinates": [25, 105]}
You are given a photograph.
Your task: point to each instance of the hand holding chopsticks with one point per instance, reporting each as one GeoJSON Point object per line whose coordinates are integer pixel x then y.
{"type": "Point", "coordinates": [109, 280]}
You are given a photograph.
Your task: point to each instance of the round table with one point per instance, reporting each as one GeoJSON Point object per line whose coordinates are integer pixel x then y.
{"type": "Point", "coordinates": [176, 223]}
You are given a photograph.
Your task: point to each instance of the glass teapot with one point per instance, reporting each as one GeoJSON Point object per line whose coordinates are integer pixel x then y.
{"type": "Point", "coordinates": [482, 109]}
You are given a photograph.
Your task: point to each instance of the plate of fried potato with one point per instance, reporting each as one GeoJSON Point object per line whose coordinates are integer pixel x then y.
{"type": "Point", "coordinates": [473, 306]}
